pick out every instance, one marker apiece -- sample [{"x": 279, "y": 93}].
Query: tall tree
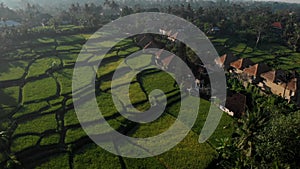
[{"x": 260, "y": 24}]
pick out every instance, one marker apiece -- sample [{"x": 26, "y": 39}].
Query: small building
[
  {"x": 166, "y": 61},
  {"x": 235, "y": 105},
  {"x": 275, "y": 76},
  {"x": 293, "y": 87},
  {"x": 252, "y": 73},
  {"x": 173, "y": 37},
  {"x": 277, "y": 25},
  {"x": 276, "y": 81},
  {"x": 239, "y": 65},
  {"x": 225, "y": 61},
  {"x": 146, "y": 41},
  {"x": 277, "y": 31},
  {"x": 163, "y": 59}
]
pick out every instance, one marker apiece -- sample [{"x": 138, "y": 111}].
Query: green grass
[
  {"x": 12, "y": 70},
  {"x": 144, "y": 163},
  {"x": 65, "y": 79},
  {"x": 9, "y": 97},
  {"x": 24, "y": 142},
  {"x": 38, "y": 125},
  {"x": 86, "y": 36},
  {"x": 125, "y": 42},
  {"x": 106, "y": 105},
  {"x": 69, "y": 102},
  {"x": 188, "y": 153},
  {"x": 71, "y": 118},
  {"x": 139, "y": 61},
  {"x": 136, "y": 96},
  {"x": 219, "y": 40},
  {"x": 57, "y": 101},
  {"x": 107, "y": 44},
  {"x": 107, "y": 108},
  {"x": 55, "y": 162},
  {"x": 224, "y": 129},
  {"x": 74, "y": 134},
  {"x": 37, "y": 97},
  {"x": 69, "y": 47},
  {"x": 157, "y": 80},
  {"x": 42, "y": 50},
  {"x": 40, "y": 89},
  {"x": 62, "y": 40},
  {"x": 154, "y": 128},
  {"x": 121, "y": 81},
  {"x": 69, "y": 27},
  {"x": 52, "y": 139},
  {"x": 30, "y": 108},
  {"x": 40, "y": 66},
  {"x": 108, "y": 68},
  {"x": 53, "y": 109},
  {"x": 93, "y": 157},
  {"x": 45, "y": 40},
  {"x": 68, "y": 58},
  {"x": 241, "y": 48},
  {"x": 5, "y": 112}
]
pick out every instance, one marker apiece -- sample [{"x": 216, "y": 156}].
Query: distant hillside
[
  {"x": 7, "y": 13},
  {"x": 15, "y": 4},
  {"x": 66, "y": 3}
]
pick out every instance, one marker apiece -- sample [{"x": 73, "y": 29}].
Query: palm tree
[{"x": 240, "y": 152}]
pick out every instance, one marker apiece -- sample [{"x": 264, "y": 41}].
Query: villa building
[
  {"x": 225, "y": 61},
  {"x": 276, "y": 81},
  {"x": 239, "y": 65},
  {"x": 252, "y": 73}
]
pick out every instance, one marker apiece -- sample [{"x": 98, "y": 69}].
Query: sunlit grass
[
  {"x": 65, "y": 79},
  {"x": 12, "y": 70},
  {"x": 40, "y": 89},
  {"x": 9, "y": 97},
  {"x": 92, "y": 156},
  {"x": 24, "y": 142},
  {"x": 37, "y": 125},
  {"x": 58, "y": 161},
  {"x": 51, "y": 139},
  {"x": 40, "y": 66},
  {"x": 30, "y": 108}
]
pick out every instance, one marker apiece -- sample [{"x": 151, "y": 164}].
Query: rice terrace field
[
  {"x": 59, "y": 109},
  {"x": 36, "y": 95}
]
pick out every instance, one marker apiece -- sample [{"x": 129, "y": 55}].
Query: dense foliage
[{"x": 266, "y": 137}]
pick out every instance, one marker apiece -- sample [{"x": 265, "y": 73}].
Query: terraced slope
[{"x": 36, "y": 93}]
